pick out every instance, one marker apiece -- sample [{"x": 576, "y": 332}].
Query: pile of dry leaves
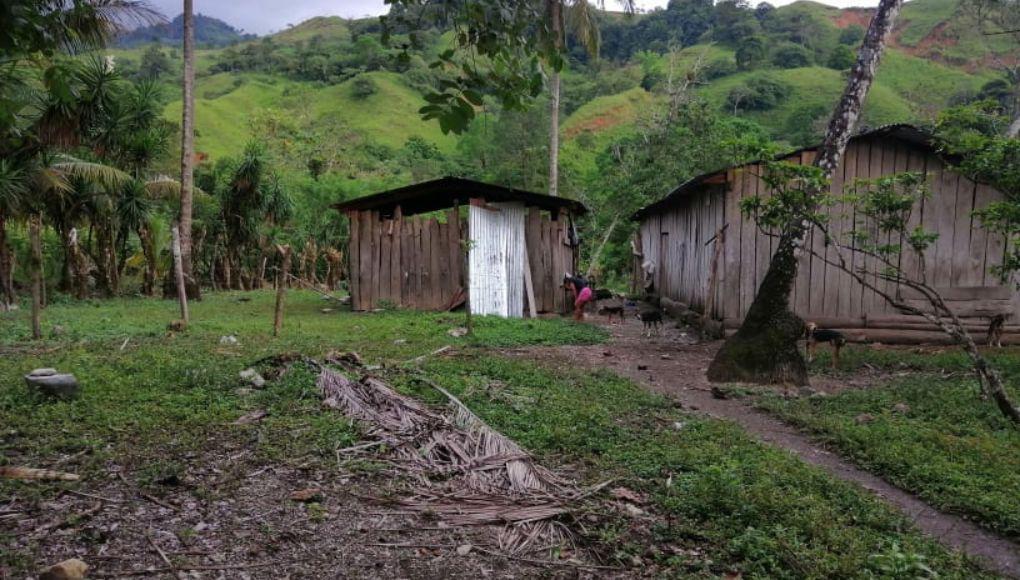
[{"x": 467, "y": 472}]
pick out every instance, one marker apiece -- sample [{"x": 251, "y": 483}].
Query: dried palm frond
[{"x": 483, "y": 477}]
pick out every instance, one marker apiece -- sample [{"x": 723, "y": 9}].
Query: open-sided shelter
[
  {"x": 430, "y": 245},
  {"x": 698, "y": 249}
]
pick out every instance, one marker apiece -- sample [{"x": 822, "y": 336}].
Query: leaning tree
[{"x": 764, "y": 348}]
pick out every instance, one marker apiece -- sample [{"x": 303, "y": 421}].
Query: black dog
[
  {"x": 814, "y": 335},
  {"x": 652, "y": 319},
  {"x": 995, "y": 327},
  {"x": 609, "y": 308}
]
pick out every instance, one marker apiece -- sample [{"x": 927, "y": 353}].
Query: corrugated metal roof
[
  {"x": 901, "y": 131},
  {"x": 445, "y": 192}
]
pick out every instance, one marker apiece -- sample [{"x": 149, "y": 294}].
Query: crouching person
[{"x": 581, "y": 292}]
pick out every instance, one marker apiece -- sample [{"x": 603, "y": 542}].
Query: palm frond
[
  {"x": 582, "y": 22},
  {"x": 92, "y": 172},
  {"x": 13, "y": 186}
]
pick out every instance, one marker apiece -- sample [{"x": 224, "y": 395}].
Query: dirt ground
[
  {"x": 231, "y": 518},
  {"x": 674, "y": 363}
]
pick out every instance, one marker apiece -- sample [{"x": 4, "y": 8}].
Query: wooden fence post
[
  {"x": 36, "y": 261},
  {"x": 281, "y": 287},
  {"x": 182, "y": 293}
]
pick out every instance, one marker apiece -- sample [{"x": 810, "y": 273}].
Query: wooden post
[
  {"x": 281, "y": 287},
  {"x": 713, "y": 276},
  {"x": 182, "y": 294},
  {"x": 36, "y": 261},
  {"x": 528, "y": 287}
]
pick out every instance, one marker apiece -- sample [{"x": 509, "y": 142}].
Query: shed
[
  {"x": 406, "y": 247},
  {"x": 698, "y": 249}
]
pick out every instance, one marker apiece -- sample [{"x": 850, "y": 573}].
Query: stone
[
  {"x": 679, "y": 425},
  {"x": 231, "y": 339},
  {"x": 400, "y": 341},
  {"x": 253, "y": 377},
  {"x": 464, "y": 550},
  {"x": 73, "y": 569},
  {"x": 901, "y": 408},
  {"x": 864, "y": 418},
  {"x": 457, "y": 332},
  {"x": 52, "y": 384},
  {"x": 58, "y": 330},
  {"x": 326, "y": 310},
  {"x": 806, "y": 391}
]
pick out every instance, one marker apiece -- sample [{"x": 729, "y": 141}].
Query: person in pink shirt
[{"x": 579, "y": 287}]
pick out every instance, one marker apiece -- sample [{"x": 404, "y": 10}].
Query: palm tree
[
  {"x": 13, "y": 187},
  {"x": 188, "y": 151},
  {"x": 578, "y": 18}
]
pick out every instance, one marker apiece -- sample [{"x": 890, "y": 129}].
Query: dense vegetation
[{"x": 332, "y": 109}]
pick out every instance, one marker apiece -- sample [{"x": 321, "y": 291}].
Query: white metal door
[{"x": 496, "y": 259}]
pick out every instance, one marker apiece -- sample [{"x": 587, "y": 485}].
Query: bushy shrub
[
  {"x": 842, "y": 58},
  {"x": 363, "y": 87},
  {"x": 791, "y": 55},
  {"x": 720, "y": 67},
  {"x": 759, "y": 93}
]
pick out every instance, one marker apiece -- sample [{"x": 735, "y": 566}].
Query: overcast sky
[{"x": 262, "y": 16}]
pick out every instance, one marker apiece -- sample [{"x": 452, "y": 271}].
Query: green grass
[
  {"x": 222, "y": 123},
  {"x": 223, "y": 112},
  {"x": 928, "y": 84},
  {"x": 389, "y": 116},
  {"x": 731, "y": 505},
  {"x": 951, "y": 448},
  {"x": 813, "y": 91},
  {"x": 155, "y": 406},
  {"x": 920, "y": 17}
]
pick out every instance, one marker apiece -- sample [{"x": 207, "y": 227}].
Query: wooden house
[
  {"x": 407, "y": 248},
  {"x": 696, "y": 248}
]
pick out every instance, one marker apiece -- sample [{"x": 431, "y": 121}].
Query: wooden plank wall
[
  {"x": 410, "y": 262},
  {"x": 958, "y": 263},
  {"x": 414, "y": 262},
  {"x": 550, "y": 256}
]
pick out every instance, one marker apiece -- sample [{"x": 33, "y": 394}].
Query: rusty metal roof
[{"x": 447, "y": 191}]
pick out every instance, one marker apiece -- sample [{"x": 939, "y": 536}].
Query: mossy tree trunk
[
  {"x": 7, "y": 295},
  {"x": 764, "y": 349}
]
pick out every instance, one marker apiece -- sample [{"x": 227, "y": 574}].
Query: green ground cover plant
[{"x": 923, "y": 427}]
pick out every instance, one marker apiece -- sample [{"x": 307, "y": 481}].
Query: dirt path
[{"x": 674, "y": 364}]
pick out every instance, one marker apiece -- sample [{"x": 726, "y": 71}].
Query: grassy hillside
[
  {"x": 226, "y": 102},
  {"x": 917, "y": 78}
]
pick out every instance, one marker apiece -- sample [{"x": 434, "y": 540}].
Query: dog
[
  {"x": 813, "y": 335},
  {"x": 652, "y": 320},
  {"x": 995, "y": 327},
  {"x": 609, "y": 308}
]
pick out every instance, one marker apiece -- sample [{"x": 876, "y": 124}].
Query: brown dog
[
  {"x": 813, "y": 335},
  {"x": 995, "y": 327}
]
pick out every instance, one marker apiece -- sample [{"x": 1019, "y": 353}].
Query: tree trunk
[
  {"x": 7, "y": 295},
  {"x": 182, "y": 295},
  {"x": 764, "y": 349},
  {"x": 602, "y": 246},
  {"x": 281, "y": 287},
  {"x": 188, "y": 151},
  {"x": 77, "y": 266},
  {"x": 149, "y": 251},
  {"x": 555, "y": 8},
  {"x": 36, "y": 261}
]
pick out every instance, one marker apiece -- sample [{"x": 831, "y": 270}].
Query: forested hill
[
  {"x": 209, "y": 32},
  {"x": 338, "y": 110}
]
